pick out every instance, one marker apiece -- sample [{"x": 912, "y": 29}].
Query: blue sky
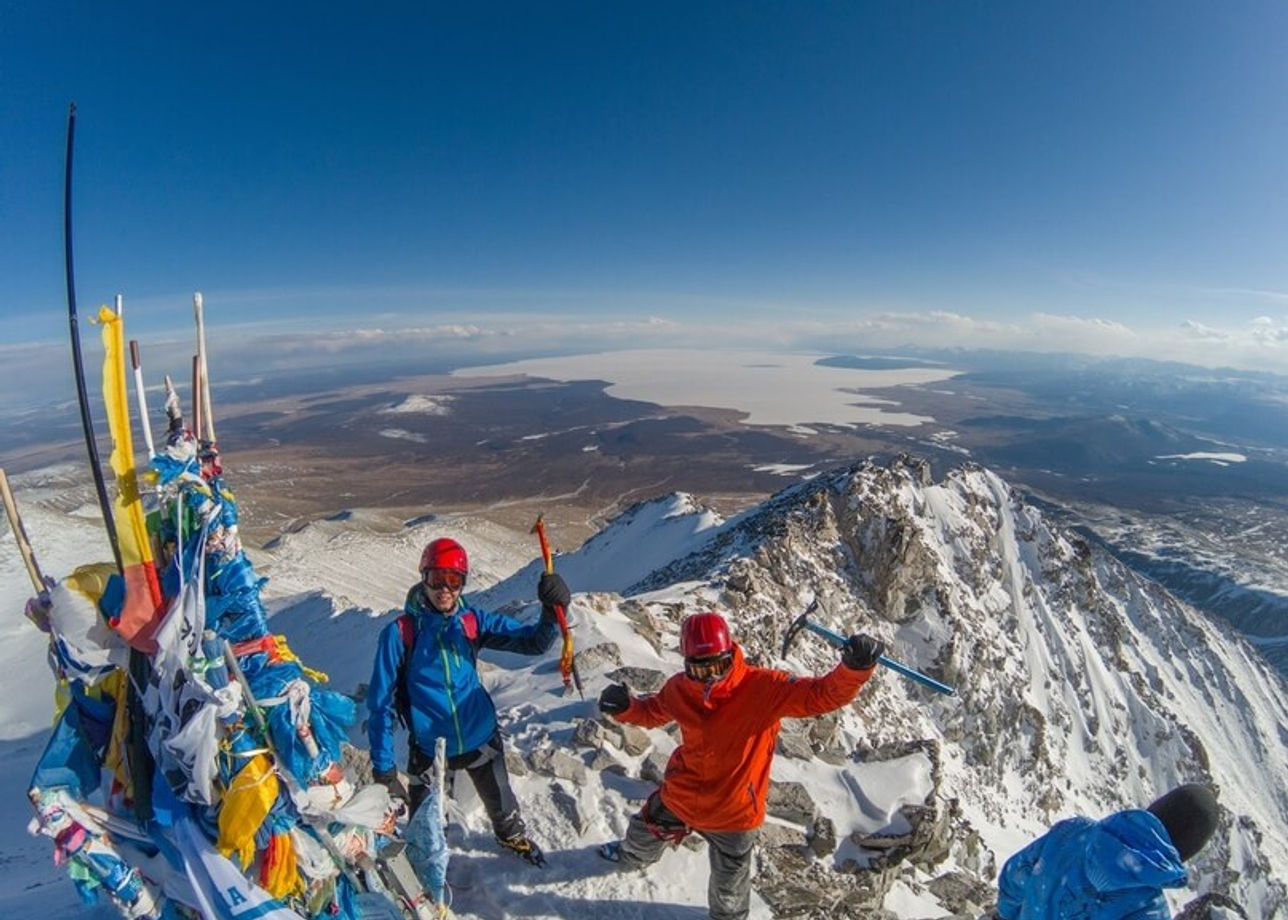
[{"x": 1098, "y": 176}]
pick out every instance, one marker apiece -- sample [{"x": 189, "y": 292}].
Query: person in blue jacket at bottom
[
  {"x": 426, "y": 674},
  {"x": 1112, "y": 869}
]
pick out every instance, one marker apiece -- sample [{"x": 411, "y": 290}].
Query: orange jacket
[{"x": 718, "y": 778}]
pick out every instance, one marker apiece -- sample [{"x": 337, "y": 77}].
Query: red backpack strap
[
  {"x": 407, "y": 630},
  {"x": 470, "y": 623}
]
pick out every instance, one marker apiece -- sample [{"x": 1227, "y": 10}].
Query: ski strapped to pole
[
  {"x": 567, "y": 658},
  {"x": 20, "y": 534},
  {"x": 836, "y": 639}
]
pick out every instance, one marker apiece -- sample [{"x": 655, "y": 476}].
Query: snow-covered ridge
[{"x": 1082, "y": 688}]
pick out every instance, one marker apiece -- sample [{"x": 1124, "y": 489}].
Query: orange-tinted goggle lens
[
  {"x": 438, "y": 579},
  {"x": 707, "y": 669}
]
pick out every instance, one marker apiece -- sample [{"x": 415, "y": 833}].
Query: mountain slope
[{"x": 1082, "y": 686}]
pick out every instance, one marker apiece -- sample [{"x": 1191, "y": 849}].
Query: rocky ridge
[{"x": 1082, "y": 687}]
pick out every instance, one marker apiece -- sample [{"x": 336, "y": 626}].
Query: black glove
[
  {"x": 615, "y": 698},
  {"x": 552, "y": 592},
  {"x": 397, "y": 791},
  {"x": 860, "y": 652}
]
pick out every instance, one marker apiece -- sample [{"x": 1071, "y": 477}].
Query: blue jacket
[
  {"x": 447, "y": 697},
  {"x": 1113, "y": 869}
]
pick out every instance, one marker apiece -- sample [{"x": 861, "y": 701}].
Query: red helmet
[
  {"x": 445, "y": 553},
  {"x": 703, "y": 635}
]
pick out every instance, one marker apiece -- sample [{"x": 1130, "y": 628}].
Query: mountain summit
[{"x": 1082, "y": 688}]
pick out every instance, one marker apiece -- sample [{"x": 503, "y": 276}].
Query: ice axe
[
  {"x": 567, "y": 660},
  {"x": 836, "y": 639}
]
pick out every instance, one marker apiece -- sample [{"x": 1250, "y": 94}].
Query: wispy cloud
[{"x": 39, "y": 372}]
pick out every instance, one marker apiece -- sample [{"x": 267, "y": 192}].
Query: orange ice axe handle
[{"x": 567, "y": 660}]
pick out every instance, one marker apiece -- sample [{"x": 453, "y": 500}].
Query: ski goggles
[
  {"x": 708, "y": 669},
  {"x": 437, "y": 579}
]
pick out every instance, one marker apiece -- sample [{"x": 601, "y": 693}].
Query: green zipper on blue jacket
[{"x": 447, "y": 684}]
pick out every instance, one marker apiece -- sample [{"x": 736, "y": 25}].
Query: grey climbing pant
[{"x": 729, "y": 889}]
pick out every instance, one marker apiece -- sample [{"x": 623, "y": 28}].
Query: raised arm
[
  {"x": 506, "y": 634},
  {"x": 509, "y": 635},
  {"x": 798, "y": 697}
]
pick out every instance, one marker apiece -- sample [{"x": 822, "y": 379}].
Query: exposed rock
[
  {"x": 824, "y": 732},
  {"x": 635, "y": 740},
  {"x": 651, "y": 626},
  {"x": 795, "y": 885},
  {"x": 962, "y": 893},
  {"x": 821, "y": 837},
  {"x": 613, "y": 732},
  {"x": 952, "y": 576},
  {"x": 794, "y": 744},
  {"x": 560, "y": 764},
  {"x": 514, "y": 763},
  {"x": 780, "y": 835},
  {"x": 639, "y": 680},
  {"x": 605, "y": 654},
  {"x": 1212, "y": 906},
  {"x": 605, "y": 762},
  {"x": 588, "y": 733},
  {"x": 653, "y": 767},
  {"x": 791, "y": 802}
]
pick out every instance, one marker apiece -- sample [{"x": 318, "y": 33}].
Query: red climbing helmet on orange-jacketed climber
[{"x": 703, "y": 635}]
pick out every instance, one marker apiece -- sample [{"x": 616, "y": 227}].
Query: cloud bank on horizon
[{"x": 37, "y": 373}]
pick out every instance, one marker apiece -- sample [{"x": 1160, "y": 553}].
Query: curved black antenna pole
[
  {"x": 78, "y": 364},
  {"x": 140, "y": 760}
]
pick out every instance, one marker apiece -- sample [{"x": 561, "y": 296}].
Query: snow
[
  {"x": 1221, "y": 459},
  {"x": 335, "y": 582},
  {"x": 402, "y": 434},
  {"x": 420, "y": 404},
  {"x": 783, "y": 469},
  {"x": 902, "y": 901},
  {"x": 771, "y": 388}
]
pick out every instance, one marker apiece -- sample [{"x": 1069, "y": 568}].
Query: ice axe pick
[{"x": 836, "y": 639}]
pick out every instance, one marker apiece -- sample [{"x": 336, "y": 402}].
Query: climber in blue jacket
[
  {"x": 1112, "y": 869},
  {"x": 426, "y": 677}
]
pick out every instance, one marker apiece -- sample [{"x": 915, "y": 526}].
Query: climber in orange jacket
[{"x": 717, "y": 780}]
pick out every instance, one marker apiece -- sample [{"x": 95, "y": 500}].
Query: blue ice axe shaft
[{"x": 838, "y": 640}]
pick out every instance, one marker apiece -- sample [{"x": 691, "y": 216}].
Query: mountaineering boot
[
  {"x": 525, "y": 847},
  {"x": 611, "y": 851}
]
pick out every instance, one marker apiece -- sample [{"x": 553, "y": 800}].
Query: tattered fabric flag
[
  {"x": 142, "y": 608},
  {"x": 222, "y": 891},
  {"x": 83, "y": 647}
]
